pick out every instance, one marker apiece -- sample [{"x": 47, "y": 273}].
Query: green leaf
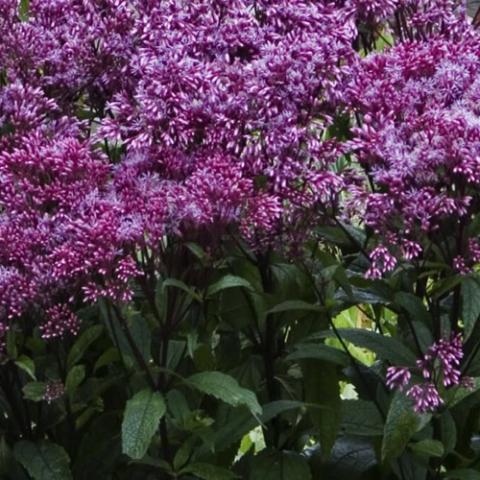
[
  {"x": 387, "y": 348},
  {"x": 279, "y": 465},
  {"x": 27, "y": 365},
  {"x": 140, "y": 422},
  {"x": 177, "y": 405},
  {"x": 273, "y": 409},
  {"x": 23, "y": 9},
  {"x": 413, "y": 306},
  {"x": 471, "y": 304},
  {"x": 449, "y": 431},
  {"x": 463, "y": 474},
  {"x": 34, "y": 391},
  {"x": 445, "y": 285},
  {"x": 197, "y": 250},
  {"x": 184, "y": 453},
  {"x": 292, "y": 305},
  {"x": 242, "y": 423},
  {"x": 173, "y": 282},
  {"x": 362, "y": 418},
  {"x": 351, "y": 459},
  {"x": 228, "y": 281},
  {"x": 225, "y": 388},
  {"x": 82, "y": 344},
  {"x": 108, "y": 357},
  {"x": 43, "y": 460},
  {"x": 74, "y": 378},
  {"x": 321, "y": 385},
  {"x": 206, "y": 471},
  {"x": 319, "y": 352},
  {"x": 401, "y": 424},
  {"x": 428, "y": 448},
  {"x": 455, "y": 395},
  {"x": 367, "y": 292}
]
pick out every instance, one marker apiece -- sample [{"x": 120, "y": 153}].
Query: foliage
[{"x": 239, "y": 239}]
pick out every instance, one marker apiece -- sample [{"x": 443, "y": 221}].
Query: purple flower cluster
[
  {"x": 223, "y": 125},
  {"x": 439, "y": 368},
  {"x": 125, "y": 122},
  {"x": 53, "y": 391},
  {"x": 60, "y": 321},
  {"x": 419, "y": 143}
]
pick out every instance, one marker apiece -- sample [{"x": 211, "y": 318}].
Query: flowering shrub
[{"x": 239, "y": 239}]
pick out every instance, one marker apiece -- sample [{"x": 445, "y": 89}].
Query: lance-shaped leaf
[
  {"x": 140, "y": 422},
  {"x": 225, "y": 388},
  {"x": 43, "y": 460}
]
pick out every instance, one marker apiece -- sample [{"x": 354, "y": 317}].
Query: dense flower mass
[
  {"x": 227, "y": 114},
  {"x": 419, "y": 142},
  {"x": 122, "y": 122},
  {"x": 125, "y": 122}
]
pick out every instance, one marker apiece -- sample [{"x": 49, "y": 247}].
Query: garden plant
[{"x": 239, "y": 239}]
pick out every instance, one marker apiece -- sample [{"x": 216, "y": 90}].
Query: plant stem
[{"x": 136, "y": 351}]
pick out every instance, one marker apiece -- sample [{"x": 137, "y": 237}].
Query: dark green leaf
[
  {"x": 225, "y": 388},
  {"x": 107, "y": 358},
  {"x": 321, "y": 385},
  {"x": 206, "y": 471},
  {"x": 455, "y": 395},
  {"x": 35, "y": 391},
  {"x": 242, "y": 422},
  {"x": 74, "y": 378},
  {"x": 82, "y": 344},
  {"x": 140, "y": 422},
  {"x": 228, "y": 281},
  {"x": 351, "y": 459},
  {"x": 320, "y": 352},
  {"x": 387, "y": 348},
  {"x": 413, "y": 306},
  {"x": 449, "y": 431},
  {"x": 27, "y": 365},
  {"x": 401, "y": 424},
  {"x": 279, "y": 465},
  {"x": 292, "y": 305},
  {"x": 141, "y": 335},
  {"x": 173, "y": 282},
  {"x": 197, "y": 250},
  {"x": 367, "y": 292},
  {"x": 445, "y": 285},
  {"x": 428, "y": 448},
  {"x": 361, "y": 417},
  {"x": 43, "y": 460},
  {"x": 471, "y": 304},
  {"x": 273, "y": 409}
]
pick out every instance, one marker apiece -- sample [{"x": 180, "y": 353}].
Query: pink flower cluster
[
  {"x": 123, "y": 122},
  {"x": 419, "y": 144},
  {"x": 439, "y": 368},
  {"x": 223, "y": 124}
]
